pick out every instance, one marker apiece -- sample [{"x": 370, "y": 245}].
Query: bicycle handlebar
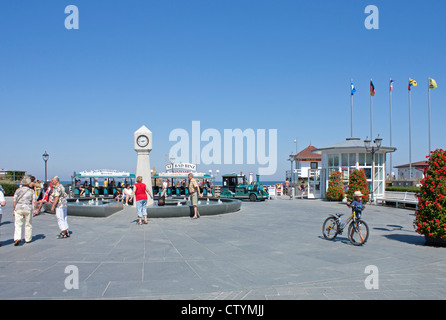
[{"x": 356, "y": 207}]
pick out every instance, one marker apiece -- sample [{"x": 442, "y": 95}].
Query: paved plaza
[{"x": 267, "y": 250}]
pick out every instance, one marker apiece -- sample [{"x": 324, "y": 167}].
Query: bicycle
[{"x": 358, "y": 230}]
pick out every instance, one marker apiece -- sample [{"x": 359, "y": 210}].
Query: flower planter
[
  {"x": 430, "y": 216},
  {"x": 435, "y": 242}
]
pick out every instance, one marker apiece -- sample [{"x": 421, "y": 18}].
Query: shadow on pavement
[{"x": 414, "y": 239}]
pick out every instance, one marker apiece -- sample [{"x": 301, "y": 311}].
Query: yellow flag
[
  {"x": 412, "y": 82},
  {"x": 432, "y": 84}
]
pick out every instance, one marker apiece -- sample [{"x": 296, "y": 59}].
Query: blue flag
[{"x": 353, "y": 89}]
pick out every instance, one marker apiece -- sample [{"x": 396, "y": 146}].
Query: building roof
[
  {"x": 419, "y": 164},
  {"x": 308, "y": 153},
  {"x": 352, "y": 143}
]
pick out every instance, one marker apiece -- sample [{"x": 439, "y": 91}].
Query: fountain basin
[
  {"x": 171, "y": 209},
  {"x": 90, "y": 207},
  {"x": 103, "y": 207}
]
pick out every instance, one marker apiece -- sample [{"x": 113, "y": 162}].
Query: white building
[
  {"x": 417, "y": 170},
  {"x": 305, "y": 161},
  {"x": 350, "y": 155}
]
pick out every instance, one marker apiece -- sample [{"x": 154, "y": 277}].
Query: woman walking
[
  {"x": 2, "y": 204},
  {"x": 23, "y": 205},
  {"x": 59, "y": 203},
  {"x": 140, "y": 192}
]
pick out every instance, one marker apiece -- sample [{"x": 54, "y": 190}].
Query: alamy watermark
[
  {"x": 72, "y": 20},
  {"x": 72, "y": 280},
  {"x": 372, "y": 20},
  {"x": 226, "y": 148},
  {"x": 371, "y": 282}
]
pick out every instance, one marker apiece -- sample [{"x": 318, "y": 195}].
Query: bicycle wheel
[
  {"x": 330, "y": 228},
  {"x": 358, "y": 232}
]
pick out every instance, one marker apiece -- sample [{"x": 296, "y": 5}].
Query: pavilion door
[{"x": 314, "y": 183}]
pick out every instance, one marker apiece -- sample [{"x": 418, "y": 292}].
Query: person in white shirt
[
  {"x": 2, "y": 204},
  {"x": 2, "y": 201},
  {"x": 164, "y": 190},
  {"x": 127, "y": 194}
]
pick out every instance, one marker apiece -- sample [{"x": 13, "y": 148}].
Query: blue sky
[{"x": 285, "y": 65}]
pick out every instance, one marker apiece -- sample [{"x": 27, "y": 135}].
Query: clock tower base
[
  {"x": 143, "y": 170},
  {"x": 143, "y": 146}
]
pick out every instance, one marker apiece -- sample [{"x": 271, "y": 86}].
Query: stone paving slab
[{"x": 271, "y": 250}]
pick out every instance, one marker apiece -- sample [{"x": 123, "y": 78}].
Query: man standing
[
  {"x": 194, "y": 191},
  {"x": 164, "y": 188},
  {"x": 59, "y": 202}
]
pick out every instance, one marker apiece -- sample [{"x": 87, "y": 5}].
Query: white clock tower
[{"x": 143, "y": 145}]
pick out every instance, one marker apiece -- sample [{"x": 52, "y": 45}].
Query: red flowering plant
[
  {"x": 335, "y": 189},
  {"x": 430, "y": 217},
  {"x": 358, "y": 182}
]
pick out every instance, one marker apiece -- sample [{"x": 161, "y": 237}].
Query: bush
[
  {"x": 335, "y": 189},
  {"x": 403, "y": 189},
  {"x": 9, "y": 188},
  {"x": 430, "y": 218},
  {"x": 358, "y": 181}
]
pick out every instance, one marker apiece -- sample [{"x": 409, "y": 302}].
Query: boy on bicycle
[{"x": 357, "y": 206}]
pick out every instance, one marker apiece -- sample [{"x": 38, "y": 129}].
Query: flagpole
[
  {"x": 371, "y": 113},
  {"x": 351, "y": 111},
  {"x": 410, "y": 137},
  {"x": 390, "y": 99},
  {"x": 429, "y": 104},
  {"x": 351, "y": 116}
]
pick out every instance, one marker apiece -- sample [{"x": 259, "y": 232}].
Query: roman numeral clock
[{"x": 143, "y": 145}]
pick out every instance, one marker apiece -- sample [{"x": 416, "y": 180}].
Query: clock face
[{"x": 142, "y": 141}]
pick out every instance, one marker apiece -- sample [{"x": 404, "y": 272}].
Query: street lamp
[
  {"x": 45, "y": 157},
  {"x": 172, "y": 160},
  {"x": 373, "y": 149},
  {"x": 291, "y": 159}
]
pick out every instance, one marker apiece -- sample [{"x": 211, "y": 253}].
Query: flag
[
  {"x": 391, "y": 84},
  {"x": 412, "y": 83},
  {"x": 432, "y": 84},
  {"x": 372, "y": 89},
  {"x": 353, "y": 89}
]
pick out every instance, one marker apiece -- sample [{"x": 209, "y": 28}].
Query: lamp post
[
  {"x": 291, "y": 159},
  {"x": 172, "y": 161},
  {"x": 45, "y": 157},
  {"x": 217, "y": 172},
  {"x": 373, "y": 149}
]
